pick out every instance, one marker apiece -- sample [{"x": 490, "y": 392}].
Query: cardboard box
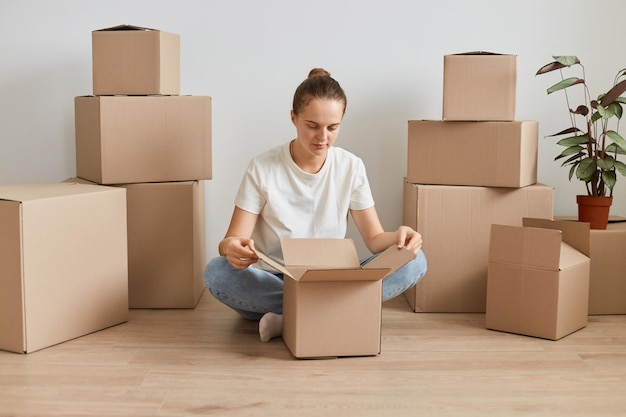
[
  {"x": 331, "y": 305},
  {"x": 131, "y": 60},
  {"x": 64, "y": 263},
  {"x": 121, "y": 139},
  {"x": 488, "y": 154},
  {"x": 166, "y": 243},
  {"x": 607, "y": 283},
  {"x": 538, "y": 279},
  {"x": 479, "y": 86},
  {"x": 455, "y": 223}
]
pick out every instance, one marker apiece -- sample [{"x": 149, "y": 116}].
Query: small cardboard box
[
  {"x": 166, "y": 243},
  {"x": 121, "y": 139},
  {"x": 479, "y": 86},
  {"x": 538, "y": 282},
  {"x": 131, "y": 60},
  {"x": 607, "y": 283},
  {"x": 455, "y": 223},
  {"x": 489, "y": 154},
  {"x": 64, "y": 263},
  {"x": 332, "y": 305}
]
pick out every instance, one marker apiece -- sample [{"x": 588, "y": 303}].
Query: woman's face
[{"x": 317, "y": 125}]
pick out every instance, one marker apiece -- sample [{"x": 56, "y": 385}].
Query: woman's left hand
[{"x": 409, "y": 239}]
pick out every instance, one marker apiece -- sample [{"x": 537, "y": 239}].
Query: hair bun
[{"x": 319, "y": 72}]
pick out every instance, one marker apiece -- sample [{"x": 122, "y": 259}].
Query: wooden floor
[{"x": 208, "y": 362}]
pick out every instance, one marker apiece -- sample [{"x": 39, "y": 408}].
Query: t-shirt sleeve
[
  {"x": 250, "y": 196},
  {"x": 361, "y": 197}
]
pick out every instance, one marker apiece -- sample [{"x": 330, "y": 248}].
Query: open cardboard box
[
  {"x": 538, "y": 278},
  {"x": 331, "y": 304}
]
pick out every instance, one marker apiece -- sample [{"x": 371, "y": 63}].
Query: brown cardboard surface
[
  {"x": 538, "y": 284},
  {"x": 67, "y": 274},
  {"x": 455, "y": 223},
  {"x": 490, "y": 154},
  {"x": 331, "y": 305},
  {"x": 607, "y": 283},
  {"x": 121, "y": 140},
  {"x": 131, "y": 60},
  {"x": 166, "y": 243},
  {"x": 479, "y": 86}
]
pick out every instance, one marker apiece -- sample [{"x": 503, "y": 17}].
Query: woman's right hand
[{"x": 239, "y": 252}]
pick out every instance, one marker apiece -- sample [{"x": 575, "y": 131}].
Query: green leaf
[
  {"x": 585, "y": 169},
  {"x": 595, "y": 117},
  {"x": 621, "y": 100},
  {"x": 617, "y": 110},
  {"x": 609, "y": 178},
  {"x": 567, "y": 60},
  {"x": 620, "y": 167},
  {"x": 617, "y": 139},
  {"x": 613, "y": 148},
  {"x": 605, "y": 163},
  {"x": 573, "y": 140},
  {"x": 605, "y": 112},
  {"x": 576, "y": 149},
  {"x": 568, "y": 82},
  {"x": 571, "y": 172}
]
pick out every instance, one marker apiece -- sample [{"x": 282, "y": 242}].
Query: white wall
[{"x": 250, "y": 55}]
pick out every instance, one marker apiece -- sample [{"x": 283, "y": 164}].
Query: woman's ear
[{"x": 293, "y": 117}]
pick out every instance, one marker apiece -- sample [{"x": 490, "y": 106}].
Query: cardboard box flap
[
  {"x": 575, "y": 234},
  {"x": 322, "y": 253},
  {"x": 392, "y": 258},
  {"x": 123, "y": 27},
  {"x": 479, "y": 53},
  {"x": 528, "y": 246},
  {"x": 343, "y": 274}
]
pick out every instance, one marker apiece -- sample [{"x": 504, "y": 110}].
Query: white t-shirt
[{"x": 292, "y": 203}]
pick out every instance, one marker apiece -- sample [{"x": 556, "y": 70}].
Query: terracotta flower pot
[{"x": 594, "y": 210}]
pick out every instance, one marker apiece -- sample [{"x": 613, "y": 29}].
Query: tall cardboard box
[
  {"x": 132, "y": 60},
  {"x": 538, "y": 279},
  {"x": 64, "y": 263},
  {"x": 607, "y": 283},
  {"x": 479, "y": 86},
  {"x": 121, "y": 140},
  {"x": 489, "y": 154},
  {"x": 166, "y": 244},
  {"x": 331, "y": 305},
  {"x": 455, "y": 223}
]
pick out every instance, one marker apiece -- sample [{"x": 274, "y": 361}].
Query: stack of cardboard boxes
[
  {"x": 136, "y": 132},
  {"x": 474, "y": 168}
]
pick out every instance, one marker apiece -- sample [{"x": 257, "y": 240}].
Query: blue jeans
[{"x": 252, "y": 292}]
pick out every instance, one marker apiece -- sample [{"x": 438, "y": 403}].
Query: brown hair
[{"x": 319, "y": 84}]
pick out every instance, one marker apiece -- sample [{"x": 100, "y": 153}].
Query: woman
[{"x": 302, "y": 189}]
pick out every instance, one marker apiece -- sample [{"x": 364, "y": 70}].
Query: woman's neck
[{"x": 306, "y": 161}]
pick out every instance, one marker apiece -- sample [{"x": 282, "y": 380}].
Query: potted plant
[{"x": 592, "y": 142}]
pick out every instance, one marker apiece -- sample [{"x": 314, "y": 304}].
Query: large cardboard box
[
  {"x": 121, "y": 139},
  {"x": 332, "y": 305},
  {"x": 455, "y": 223},
  {"x": 479, "y": 86},
  {"x": 538, "y": 278},
  {"x": 607, "y": 283},
  {"x": 166, "y": 243},
  {"x": 64, "y": 263},
  {"x": 489, "y": 154},
  {"x": 131, "y": 60}
]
